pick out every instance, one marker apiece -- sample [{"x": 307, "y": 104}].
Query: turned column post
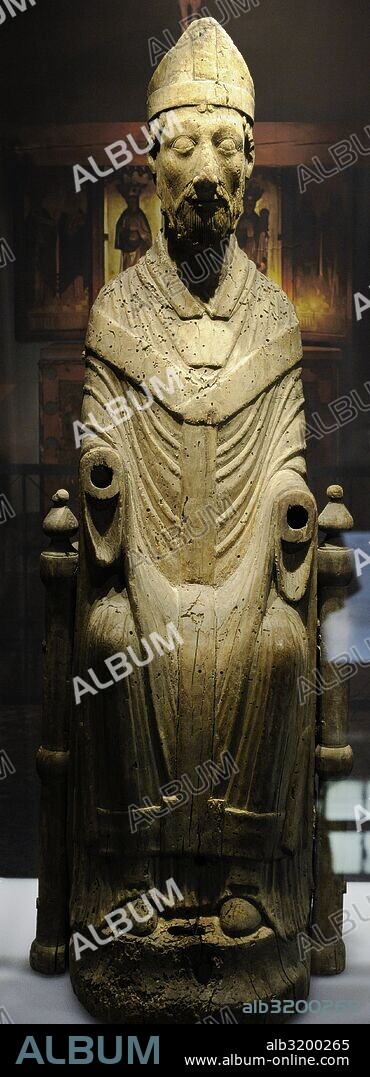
[
  {"x": 58, "y": 568},
  {"x": 333, "y": 753}
]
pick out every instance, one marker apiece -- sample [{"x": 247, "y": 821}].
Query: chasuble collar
[{"x": 162, "y": 271}]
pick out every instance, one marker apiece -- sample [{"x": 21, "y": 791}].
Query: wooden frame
[{"x": 277, "y": 144}]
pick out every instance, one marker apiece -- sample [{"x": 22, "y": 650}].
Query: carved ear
[
  {"x": 295, "y": 540},
  {"x": 249, "y": 150},
  {"x": 152, "y": 165},
  {"x": 250, "y": 159},
  {"x": 102, "y": 500},
  {"x": 249, "y": 166}
]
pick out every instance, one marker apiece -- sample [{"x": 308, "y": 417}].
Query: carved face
[{"x": 201, "y": 174}]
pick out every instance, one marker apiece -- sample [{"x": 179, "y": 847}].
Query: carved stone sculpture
[{"x": 191, "y": 753}]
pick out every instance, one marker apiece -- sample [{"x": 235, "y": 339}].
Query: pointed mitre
[{"x": 204, "y": 67}]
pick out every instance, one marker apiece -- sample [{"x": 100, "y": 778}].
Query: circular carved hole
[
  {"x": 101, "y": 476},
  {"x": 297, "y": 517}
]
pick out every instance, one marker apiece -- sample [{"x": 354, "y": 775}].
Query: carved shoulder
[{"x": 271, "y": 305}]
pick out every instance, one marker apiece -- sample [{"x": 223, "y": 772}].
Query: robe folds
[{"x": 196, "y": 513}]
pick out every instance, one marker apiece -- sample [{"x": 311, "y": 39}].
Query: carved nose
[{"x": 205, "y": 188}]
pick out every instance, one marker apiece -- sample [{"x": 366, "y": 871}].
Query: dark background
[
  {"x": 80, "y": 61},
  {"x": 69, "y": 61}
]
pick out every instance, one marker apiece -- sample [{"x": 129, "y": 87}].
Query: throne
[{"x": 257, "y": 964}]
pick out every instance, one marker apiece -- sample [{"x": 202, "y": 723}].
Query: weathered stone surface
[{"x": 192, "y": 761}]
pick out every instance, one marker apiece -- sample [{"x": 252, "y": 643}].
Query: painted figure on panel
[
  {"x": 133, "y": 236},
  {"x": 253, "y": 229}
]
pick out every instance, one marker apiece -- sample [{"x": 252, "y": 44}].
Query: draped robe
[{"x": 242, "y": 597}]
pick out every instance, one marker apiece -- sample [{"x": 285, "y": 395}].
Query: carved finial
[
  {"x": 61, "y": 497},
  {"x": 335, "y": 517},
  {"x": 60, "y": 524},
  {"x": 335, "y": 493}
]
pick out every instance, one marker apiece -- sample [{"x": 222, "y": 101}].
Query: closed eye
[
  {"x": 227, "y": 145},
  {"x": 183, "y": 145}
]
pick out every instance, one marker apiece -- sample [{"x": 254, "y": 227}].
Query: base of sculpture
[
  {"x": 186, "y": 971},
  {"x": 48, "y": 960}
]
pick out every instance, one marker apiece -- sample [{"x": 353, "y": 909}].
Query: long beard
[{"x": 201, "y": 224}]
